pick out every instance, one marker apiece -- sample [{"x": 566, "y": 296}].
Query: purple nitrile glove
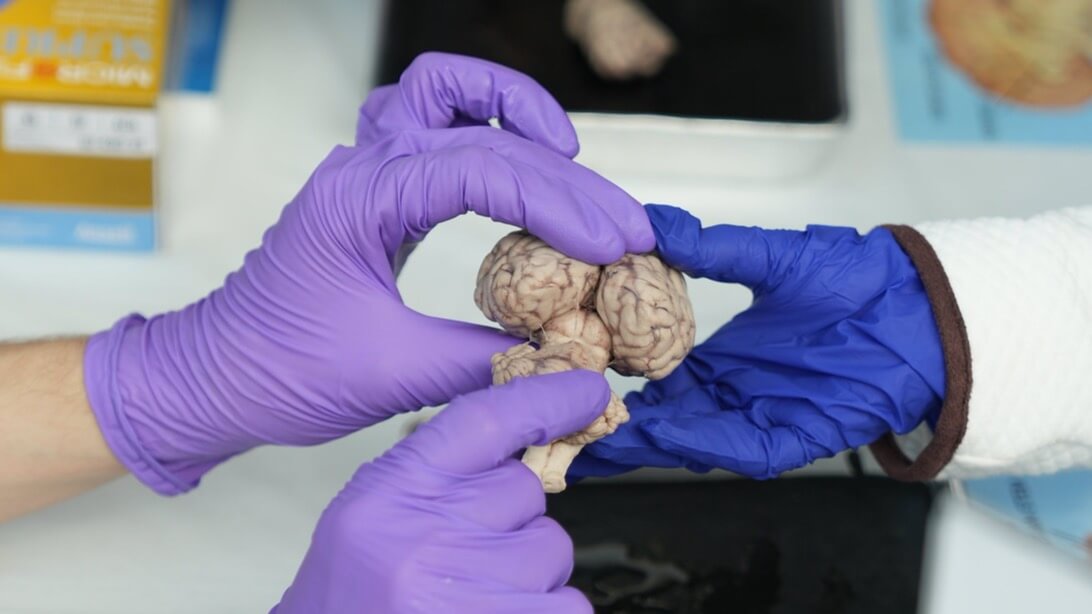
[
  {"x": 444, "y": 90},
  {"x": 441, "y": 90},
  {"x": 309, "y": 340},
  {"x": 447, "y": 520}
]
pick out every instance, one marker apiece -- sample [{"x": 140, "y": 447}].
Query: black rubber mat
[
  {"x": 746, "y": 59},
  {"x": 815, "y": 545}
]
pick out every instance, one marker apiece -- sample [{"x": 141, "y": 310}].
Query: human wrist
[{"x": 51, "y": 447}]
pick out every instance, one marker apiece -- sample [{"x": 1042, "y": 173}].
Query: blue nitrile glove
[{"x": 838, "y": 348}]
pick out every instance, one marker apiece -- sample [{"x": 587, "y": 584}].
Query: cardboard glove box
[{"x": 78, "y": 127}]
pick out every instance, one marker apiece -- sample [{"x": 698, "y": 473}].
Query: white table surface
[{"x": 292, "y": 77}]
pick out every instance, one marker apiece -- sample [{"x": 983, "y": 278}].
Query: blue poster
[
  {"x": 1057, "y": 507},
  {"x": 990, "y": 72}
]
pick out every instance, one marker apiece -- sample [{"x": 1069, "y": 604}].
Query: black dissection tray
[
  {"x": 816, "y": 545},
  {"x": 758, "y": 60}
]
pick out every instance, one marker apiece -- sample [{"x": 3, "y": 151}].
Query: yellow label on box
[
  {"x": 76, "y": 155},
  {"x": 106, "y": 51},
  {"x": 78, "y": 130}
]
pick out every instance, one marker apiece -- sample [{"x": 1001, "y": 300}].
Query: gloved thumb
[
  {"x": 481, "y": 430},
  {"x": 733, "y": 441},
  {"x": 630, "y": 446},
  {"x": 458, "y": 359},
  {"x": 726, "y": 253}
]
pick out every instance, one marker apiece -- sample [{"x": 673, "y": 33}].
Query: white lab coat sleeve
[{"x": 1023, "y": 295}]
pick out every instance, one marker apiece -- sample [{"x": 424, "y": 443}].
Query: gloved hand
[
  {"x": 448, "y": 520},
  {"x": 441, "y": 90},
  {"x": 838, "y": 348},
  {"x": 309, "y": 340}
]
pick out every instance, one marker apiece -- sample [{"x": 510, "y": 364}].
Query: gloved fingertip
[
  {"x": 643, "y": 239},
  {"x": 724, "y": 252},
  {"x": 594, "y": 381},
  {"x": 567, "y": 143},
  {"x": 676, "y": 233},
  {"x": 549, "y": 127},
  {"x": 636, "y": 398},
  {"x": 697, "y": 467},
  {"x": 571, "y": 601},
  {"x": 665, "y": 210},
  {"x": 652, "y": 426},
  {"x": 663, "y": 217},
  {"x": 608, "y": 248}
]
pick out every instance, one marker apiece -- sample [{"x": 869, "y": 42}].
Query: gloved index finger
[
  {"x": 621, "y": 207},
  {"x": 479, "y": 431},
  {"x": 521, "y": 184},
  {"x": 439, "y": 88},
  {"x": 726, "y": 253}
]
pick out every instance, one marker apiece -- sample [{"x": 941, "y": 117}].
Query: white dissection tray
[{"x": 700, "y": 147}]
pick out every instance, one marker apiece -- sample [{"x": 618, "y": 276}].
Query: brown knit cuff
[{"x": 957, "y": 365}]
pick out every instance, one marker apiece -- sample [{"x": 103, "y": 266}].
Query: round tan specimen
[
  {"x": 1031, "y": 52},
  {"x": 523, "y": 283},
  {"x": 645, "y": 307},
  {"x": 622, "y": 39}
]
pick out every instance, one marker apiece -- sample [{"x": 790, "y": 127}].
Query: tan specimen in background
[{"x": 621, "y": 38}]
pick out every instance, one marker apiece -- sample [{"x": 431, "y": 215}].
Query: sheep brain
[
  {"x": 523, "y": 283},
  {"x": 633, "y": 316}
]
